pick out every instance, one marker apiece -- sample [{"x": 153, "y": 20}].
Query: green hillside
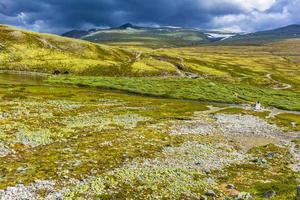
[{"x": 24, "y": 50}]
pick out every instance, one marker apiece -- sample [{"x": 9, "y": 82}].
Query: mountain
[
  {"x": 261, "y": 37},
  {"x": 130, "y": 34},
  {"x": 26, "y": 50},
  {"x": 157, "y": 37},
  {"x": 75, "y": 33},
  {"x": 128, "y": 25},
  {"x": 291, "y": 30}
]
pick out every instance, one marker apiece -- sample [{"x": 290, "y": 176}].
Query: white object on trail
[{"x": 257, "y": 106}]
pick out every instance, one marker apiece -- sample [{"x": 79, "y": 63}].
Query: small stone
[
  {"x": 298, "y": 192},
  {"x": 203, "y": 197},
  {"x": 260, "y": 161},
  {"x": 198, "y": 163},
  {"x": 21, "y": 169},
  {"x": 271, "y": 155},
  {"x": 230, "y": 186},
  {"x": 270, "y": 194},
  {"x": 243, "y": 196},
  {"x": 211, "y": 193}
]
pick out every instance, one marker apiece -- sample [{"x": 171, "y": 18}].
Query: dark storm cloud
[{"x": 61, "y": 15}]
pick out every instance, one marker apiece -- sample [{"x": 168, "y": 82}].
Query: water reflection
[{"x": 20, "y": 78}]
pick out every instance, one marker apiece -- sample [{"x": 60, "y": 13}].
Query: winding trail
[{"x": 285, "y": 86}]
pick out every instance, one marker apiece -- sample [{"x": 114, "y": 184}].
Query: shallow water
[{"x": 19, "y": 78}]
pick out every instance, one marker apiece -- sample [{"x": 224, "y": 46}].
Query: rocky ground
[{"x": 186, "y": 171}]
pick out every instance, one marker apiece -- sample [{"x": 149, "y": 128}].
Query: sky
[{"x": 58, "y": 16}]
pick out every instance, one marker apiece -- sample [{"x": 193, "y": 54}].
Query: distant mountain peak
[
  {"x": 294, "y": 25},
  {"x": 290, "y": 29},
  {"x": 126, "y": 26}
]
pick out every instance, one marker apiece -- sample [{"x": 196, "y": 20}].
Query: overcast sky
[{"x": 57, "y": 16}]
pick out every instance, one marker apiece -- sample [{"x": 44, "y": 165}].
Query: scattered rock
[
  {"x": 230, "y": 186},
  {"x": 203, "y": 197},
  {"x": 243, "y": 196},
  {"x": 211, "y": 193},
  {"x": 245, "y": 125},
  {"x": 20, "y": 191},
  {"x": 271, "y": 155},
  {"x": 4, "y": 150},
  {"x": 269, "y": 194},
  {"x": 21, "y": 169},
  {"x": 260, "y": 161},
  {"x": 193, "y": 127}
]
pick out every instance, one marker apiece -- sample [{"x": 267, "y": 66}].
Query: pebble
[
  {"x": 203, "y": 197},
  {"x": 260, "y": 161},
  {"x": 271, "y": 155},
  {"x": 243, "y": 196},
  {"x": 269, "y": 194},
  {"x": 211, "y": 193},
  {"x": 20, "y": 191},
  {"x": 230, "y": 186}
]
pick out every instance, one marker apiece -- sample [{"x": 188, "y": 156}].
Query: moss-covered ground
[{"x": 101, "y": 144}]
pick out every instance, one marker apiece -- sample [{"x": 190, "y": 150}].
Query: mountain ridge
[{"x": 177, "y": 36}]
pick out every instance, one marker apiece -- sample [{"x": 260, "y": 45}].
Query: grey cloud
[{"x": 60, "y": 15}]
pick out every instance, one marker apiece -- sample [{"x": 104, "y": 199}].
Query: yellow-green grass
[
  {"x": 24, "y": 50},
  {"x": 62, "y": 133},
  {"x": 243, "y": 64},
  {"x": 292, "y": 121},
  {"x": 29, "y": 51},
  {"x": 257, "y": 179},
  {"x": 236, "y": 110},
  {"x": 193, "y": 89}
]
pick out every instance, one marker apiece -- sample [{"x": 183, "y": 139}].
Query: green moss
[
  {"x": 258, "y": 178},
  {"x": 33, "y": 138},
  {"x": 287, "y": 120},
  {"x": 75, "y": 132},
  {"x": 184, "y": 88}
]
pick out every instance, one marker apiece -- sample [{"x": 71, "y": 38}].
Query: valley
[{"x": 148, "y": 118}]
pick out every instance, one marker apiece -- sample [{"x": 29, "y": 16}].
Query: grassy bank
[{"x": 191, "y": 89}]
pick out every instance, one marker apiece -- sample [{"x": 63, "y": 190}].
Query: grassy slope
[
  {"x": 232, "y": 74},
  {"x": 242, "y": 64},
  {"x": 237, "y": 66},
  {"x": 24, "y": 50}
]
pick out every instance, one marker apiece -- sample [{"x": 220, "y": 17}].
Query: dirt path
[{"x": 285, "y": 86}]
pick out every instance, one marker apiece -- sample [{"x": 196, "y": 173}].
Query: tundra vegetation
[{"x": 146, "y": 123}]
